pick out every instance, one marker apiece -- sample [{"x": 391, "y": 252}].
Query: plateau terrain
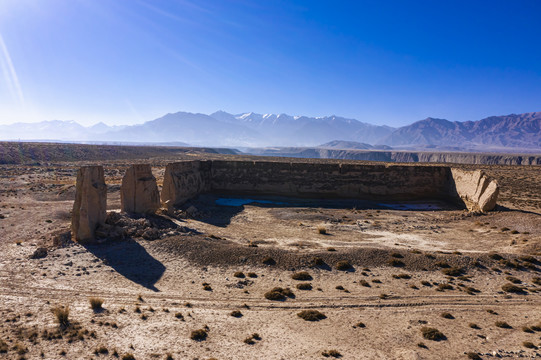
[{"x": 230, "y": 276}]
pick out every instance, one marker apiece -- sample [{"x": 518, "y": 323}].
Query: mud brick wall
[
  {"x": 471, "y": 189},
  {"x": 329, "y": 180}
]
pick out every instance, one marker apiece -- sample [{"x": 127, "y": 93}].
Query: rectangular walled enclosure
[{"x": 387, "y": 182}]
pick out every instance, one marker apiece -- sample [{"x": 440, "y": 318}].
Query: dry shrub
[
  {"x": 402, "y": 276},
  {"x": 304, "y": 286},
  {"x": 331, "y": 353},
  {"x": 503, "y": 325},
  {"x": 443, "y": 287},
  {"x": 322, "y": 229},
  {"x": 279, "y": 294},
  {"x": 311, "y": 315},
  {"x": 513, "y": 279},
  {"x": 453, "y": 271},
  {"x": 269, "y": 261},
  {"x": 302, "y": 275},
  {"x": 447, "y": 315},
  {"x": 239, "y": 274},
  {"x": 396, "y": 263},
  {"x": 432, "y": 334},
  {"x": 343, "y": 265},
  {"x": 236, "y": 313},
  {"x": 473, "y": 356},
  {"x": 511, "y": 288},
  {"x": 199, "y": 335}
]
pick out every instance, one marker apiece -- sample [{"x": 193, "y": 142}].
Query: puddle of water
[{"x": 240, "y": 202}]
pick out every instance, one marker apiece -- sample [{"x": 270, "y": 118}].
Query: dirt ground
[{"x": 411, "y": 266}]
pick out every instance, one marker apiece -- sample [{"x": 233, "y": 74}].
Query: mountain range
[{"x": 522, "y": 131}]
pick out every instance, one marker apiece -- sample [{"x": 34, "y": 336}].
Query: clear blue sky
[{"x": 383, "y": 62}]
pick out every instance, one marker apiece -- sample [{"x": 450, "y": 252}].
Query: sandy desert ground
[{"x": 379, "y": 275}]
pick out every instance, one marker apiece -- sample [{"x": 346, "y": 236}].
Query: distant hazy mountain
[
  {"x": 286, "y": 130},
  {"x": 509, "y": 131},
  {"x": 352, "y": 145},
  {"x": 521, "y": 131},
  {"x": 54, "y": 130}
]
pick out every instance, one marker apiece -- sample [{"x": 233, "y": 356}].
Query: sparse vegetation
[
  {"x": 322, "y": 230},
  {"x": 236, "y": 313},
  {"x": 251, "y": 340},
  {"x": 199, "y": 335},
  {"x": 474, "y": 326},
  {"x": 529, "y": 345},
  {"x": 453, "y": 271},
  {"x": 447, "y": 315},
  {"x": 128, "y": 356},
  {"x": 513, "y": 279},
  {"x": 396, "y": 263},
  {"x": 432, "y": 334},
  {"x": 279, "y": 294},
  {"x": 101, "y": 350},
  {"x": 511, "y": 288},
  {"x": 444, "y": 286},
  {"x": 302, "y": 275},
  {"x": 402, "y": 276},
  {"x": 207, "y": 287},
  {"x": 62, "y": 315},
  {"x": 239, "y": 274},
  {"x": 304, "y": 286},
  {"x": 503, "y": 325},
  {"x": 331, "y": 353},
  {"x": 311, "y": 315},
  {"x": 473, "y": 356},
  {"x": 268, "y": 261},
  {"x": 96, "y": 303},
  {"x": 343, "y": 265},
  {"x": 317, "y": 262}
]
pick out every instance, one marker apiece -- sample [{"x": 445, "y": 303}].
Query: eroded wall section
[{"x": 184, "y": 180}]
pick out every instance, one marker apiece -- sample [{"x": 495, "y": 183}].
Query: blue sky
[{"x": 383, "y": 62}]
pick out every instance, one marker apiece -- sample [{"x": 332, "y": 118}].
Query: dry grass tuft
[
  {"x": 62, "y": 316},
  {"x": 96, "y": 303}
]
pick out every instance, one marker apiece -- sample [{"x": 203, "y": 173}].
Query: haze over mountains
[{"x": 522, "y": 131}]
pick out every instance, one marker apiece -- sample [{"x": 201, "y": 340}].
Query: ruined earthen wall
[
  {"x": 184, "y": 180},
  {"x": 328, "y": 180}
]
